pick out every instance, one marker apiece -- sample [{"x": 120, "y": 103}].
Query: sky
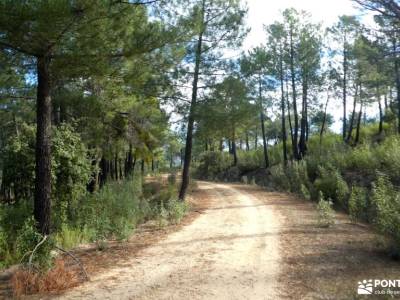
[{"x": 265, "y": 12}]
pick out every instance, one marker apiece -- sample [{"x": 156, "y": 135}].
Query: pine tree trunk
[
  {"x": 321, "y": 133},
  {"x": 256, "y": 139},
  {"x": 397, "y": 71},
  {"x": 262, "y": 120},
  {"x": 42, "y": 201},
  {"x": 284, "y": 137},
  {"x": 353, "y": 114},
  {"x": 193, "y": 104},
  {"x": 296, "y": 117},
  {"x": 380, "y": 115},
  {"x": 357, "y": 139},
  {"x": 234, "y": 152},
  {"x": 247, "y": 141},
  {"x": 344, "y": 89},
  {"x": 302, "y": 142}
]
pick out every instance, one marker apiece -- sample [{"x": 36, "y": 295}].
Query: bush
[
  {"x": 332, "y": 185},
  {"x": 358, "y": 203},
  {"x": 113, "y": 211},
  {"x": 297, "y": 176},
  {"x": 69, "y": 237},
  {"x": 250, "y": 160},
  {"x": 176, "y": 210},
  {"x": 28, "y": 239},
  {"x": 326, "y": 215},
  {"x": 278, "y": 178},
  {"x": 387, "y": 202},
  {"x": 212, "y": 164},
  {"x": 305, "y": 192}
]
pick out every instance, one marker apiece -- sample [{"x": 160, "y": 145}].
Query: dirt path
[{"x": 231, "y": 251}]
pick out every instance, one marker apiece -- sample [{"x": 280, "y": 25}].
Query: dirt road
[{"x": 231, "y": 251}]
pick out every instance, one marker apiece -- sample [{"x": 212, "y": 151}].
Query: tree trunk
[
  {"x": 116, "y": 167},
  {"x": 189, "y": 136},
  {"x": 353, "y": 114},
  {"x": 234, "y": 152},
  {"x": 42, "y": 201},
  {"x": 262, "y": 120},
  {"x": 256, "y": 138},
  {"x": 296, "y": 117},
  {"x": 142, "y": 166},
  {"x": 121, "y": 175},
  {"x": 221, "y": 145},
  {"x": 302, "y": 142},
  {"x": 284, "y": 147},
  {"x": 129, "y": 163},
  {"x": 321, "y": 133},
  {"x": 357, "y": 139},
  {"x": 380, "y": 115},
  {"x": 397, "y": 71},
  {"x": 344, "y": 89},
  {"x": 103, "y": 171}
]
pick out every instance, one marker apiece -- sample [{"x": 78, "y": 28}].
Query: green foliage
[
  {"x": 114, "y": 211},
  {"x": 332, "y": 185},
  {"x": 305, "y": 192},
  {"x": 358, "y": 203},
  {"x": 72, "y": 171},
  {"x": 386, "y": 199},
  {"x": 297, "y": 176},
  {"x": 278, "y": 177},
  {"x": 212, "y": 163},
  {"x": 28, "y": 239},
  {"x": 326, "y": 215},
  {"x": 68, "y": 237}
]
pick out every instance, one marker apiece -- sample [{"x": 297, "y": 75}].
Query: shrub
[
  {"x": 387, "y": 202},
  {"x": 69, "y": 237},
  {"x": 358, "y": 204},
  {"x": 213, "y": 163},
  {"x": 297, "y": 176},
  {"x": 326, "y": 215},
  {"x": 250, "y": 160},
  {"x": 28, "y": 240},
  {"x": 278, "y": 178},
  {"x": 113, "y": 211},
  {"x": 363, "y": 159},
  {"x": 176, "y": 210},
  {"x": 305, "y": 192},
  {"x": 332, "y": 185}
]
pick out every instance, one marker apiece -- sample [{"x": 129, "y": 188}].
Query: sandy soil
[{"x": 231, "y": 251}]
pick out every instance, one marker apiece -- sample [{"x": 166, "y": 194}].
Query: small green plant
[
  {"x": 162, "y": 216},
  {"x": 358, "y": 203},
  {"x": 386, "y": 200},
  {"x": 176, "y": 210},
  {"x": 33, "y": 247},
  {"x": 68, "y": 237},
  {"x": 305, "y": 192},
  {"x": 326, "y": 215}
]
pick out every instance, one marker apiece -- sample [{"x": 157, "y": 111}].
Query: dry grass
[{"x": 57, "y": 279}]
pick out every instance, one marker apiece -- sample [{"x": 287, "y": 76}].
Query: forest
[{"x": 111, "y": 111}]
